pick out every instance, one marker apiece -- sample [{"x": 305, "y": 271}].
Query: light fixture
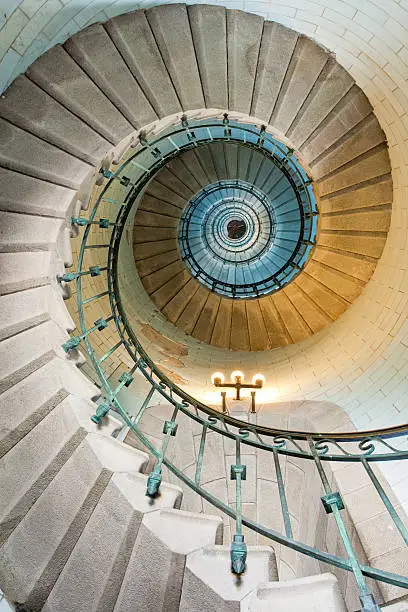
[
  {"x": 237, "y": 376},
  {"x": 258, "y": 380},
  {"x": 217, "y": 378}
]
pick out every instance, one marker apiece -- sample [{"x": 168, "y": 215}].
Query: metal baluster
[
  {"x": 110, "y": 352},
  {"x": 190, "y": 133},
  {"x": 135, "y": 420},
  {"x": 387, "y": 502},
  {"x": 282, "y": 495},
  {"x": 70, "y": 276},
  {"x": 155, "y": 476},
  {"x": 201, "y": 455},
  {"x": 95, "y": 297},
  {"x": 124, "y": 381},
  {"x": 143, "y": 407},
  {"x": 155, "y": 151},
  {"x": 227, "y": 129},
  {"x": 238, "y": 550},
  {"x": 96, "y": 246},
  {"x": 333, "y": 503},
  {"x": 124, "y": 180},
  {"x": 99, "y": 325},
  {"x": 102, "y": 223},
  {"x": 112, "y": 201}
]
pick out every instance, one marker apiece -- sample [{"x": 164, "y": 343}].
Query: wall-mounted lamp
[{"x": 237, "y": 378}]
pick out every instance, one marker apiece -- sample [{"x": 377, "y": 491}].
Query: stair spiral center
[{"x": 236, "y": 228}]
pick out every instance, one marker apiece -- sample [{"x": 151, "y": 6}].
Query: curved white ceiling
[{"x": 361, "y": 361}]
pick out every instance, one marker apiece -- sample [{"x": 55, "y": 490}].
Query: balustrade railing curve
[{"x": 107, "y": 219}]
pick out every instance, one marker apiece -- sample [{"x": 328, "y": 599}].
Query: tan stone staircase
[{"x": 77, "y": 531}]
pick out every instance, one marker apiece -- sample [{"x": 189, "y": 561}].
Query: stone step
[
  {"x": 210, "y": 585},
  {"x": 177, "y": 304},
  {"x": 31, "y": 108},
  {"x": 275, "y": 53},
  {"x": 133, "y": 37},
  {"x": 32, "y": 563},
  {"x": 25, "y": 194},
  {"x": 218, "y": 152},
  {"x": 365, "y": 136},
  {"x": 20, "y": 232},
  {"x": 59, "y": 75},
  {"x": 24, "y": 309},
  {"x": 373, "y": 164},
  {"x": 209, "y": 32},
  {"x": 23, "y": 152},
  {"x": 171, "y": 29},
  {"x": 306, "y": 594},
  {"x": 157, "y": 190},
  {"x": 152, "y": 204},
  {"x": 97, "y": 55},
  {"x": 351, "y": 109},
  {"x": 164, "y": 541},
  {"x": 206, "y": 160},
  {"x": 191, "y": 160},
  {"x": 153, "y": 219},
  {"x": 28, "y": 468},
  {"x": 29, "y": 350},
  {"x": 156, "y": 280},
  {"x": 333, "y": 83},
  {"x": 172, "y": 181},
  {"x": 162, "y": 296},
  {"x": 244, "y": 33},
  {"x": 306, "y": 63},
  {"x": 294, "y": 323},
  {"x": 181, "y": 169},
  {"x": 313, "y": 316},
  {"x": 148, "y": 265},
  {"x": 115, "y": 524},
  {"x": 26, "y": 403}
]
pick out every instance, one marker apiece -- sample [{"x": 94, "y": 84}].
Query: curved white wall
[{"x": 361, "y": 361}]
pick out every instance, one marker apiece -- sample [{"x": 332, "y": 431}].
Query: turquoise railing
[{"x": 107, "y": 219}]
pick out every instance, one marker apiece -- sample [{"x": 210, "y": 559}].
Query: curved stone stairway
[
  {"x": 353, "y": 228},
  {"x": 77, "y": 532}
]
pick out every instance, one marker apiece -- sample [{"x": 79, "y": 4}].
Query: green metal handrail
[{"x": 372, "y": 446}]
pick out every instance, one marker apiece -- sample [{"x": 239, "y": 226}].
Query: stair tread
[
  {"x": 171, "y": 29},
  {"x": 100, "y": 59},
  {"x": 34, "y": 110}
]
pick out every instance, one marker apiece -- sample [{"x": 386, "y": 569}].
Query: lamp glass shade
[
  {"x": 237, "y": 374},
  {"x": 258, "y": 380},
  {"x": 217, "y": 378}
]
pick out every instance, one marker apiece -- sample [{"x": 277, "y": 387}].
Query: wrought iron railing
[{"x": 106, "y": 222}]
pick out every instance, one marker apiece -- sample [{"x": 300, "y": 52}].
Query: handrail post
[
  {"x": 333, "y": 503},
  {"x": 238, "y": 550},
  {"x": 155, "y": 477}
]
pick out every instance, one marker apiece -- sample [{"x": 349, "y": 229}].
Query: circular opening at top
[{"x": 236, "y": 228}]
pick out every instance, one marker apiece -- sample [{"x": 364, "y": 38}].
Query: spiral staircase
[{"x": 107, "y": 142}]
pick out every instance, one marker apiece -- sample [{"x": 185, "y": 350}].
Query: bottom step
[
  {"x": 309, "y": 594},
  {"x": 210, "y": 585}
]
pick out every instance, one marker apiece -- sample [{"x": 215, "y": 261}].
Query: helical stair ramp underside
[{"x": 115, "y": 140}]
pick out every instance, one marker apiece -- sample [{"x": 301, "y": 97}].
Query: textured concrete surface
[
  {"x": 307, "y": 594},
  {"x": 164, "y": 540},
  {"x": 209, "y": 583}
]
